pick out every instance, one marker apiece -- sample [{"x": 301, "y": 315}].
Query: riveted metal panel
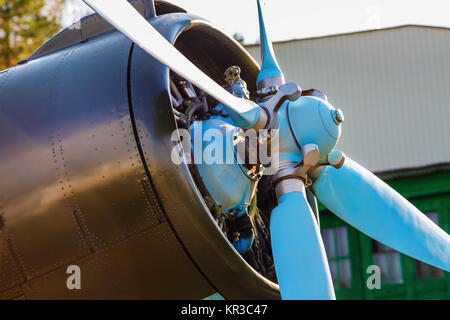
[
  {"x": 74, "y": 189},
  {"x": 128, "y": 270},
  {"x": 166, "y": 268},
  {"x": 40, "y": 228},
  {"x": 10, "y": 275},
  {"x": 53, "y": 285}
]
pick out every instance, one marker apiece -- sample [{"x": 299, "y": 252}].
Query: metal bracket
[
  {"x": 336, "y": 158},
  {"x": 267, "y": 91},
  {"x": 268, "y": 119},
  {"x": 283, "y": 179}
]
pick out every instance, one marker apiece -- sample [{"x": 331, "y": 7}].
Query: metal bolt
[{"x": 338, "y": 116}]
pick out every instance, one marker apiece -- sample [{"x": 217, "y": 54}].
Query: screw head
[{"x": 338, "y": 116}]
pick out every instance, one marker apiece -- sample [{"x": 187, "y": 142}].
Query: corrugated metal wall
[{"x": 393, "y": 86}]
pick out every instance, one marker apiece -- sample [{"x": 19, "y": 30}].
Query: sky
[{"x": 296, "y": 19}]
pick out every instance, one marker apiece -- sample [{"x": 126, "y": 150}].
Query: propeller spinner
[{"x": 309, "y": 129}]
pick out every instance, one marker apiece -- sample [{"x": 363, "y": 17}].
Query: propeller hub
[{"x": 315, "y": 121}]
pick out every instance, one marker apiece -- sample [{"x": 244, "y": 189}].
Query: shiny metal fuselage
[{"x": 86, "y": 178}]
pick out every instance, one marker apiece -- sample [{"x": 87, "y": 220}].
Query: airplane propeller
[
  {"x": 363, "y": 200},
  {"x": 309, "y": 130}
]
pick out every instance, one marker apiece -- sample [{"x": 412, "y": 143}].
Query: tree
[{"x": 24, "y": 26}]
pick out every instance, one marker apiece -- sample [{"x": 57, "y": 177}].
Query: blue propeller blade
[
  {"x": 269, "y": 65},
  {"x": 298, "y": 251},
  {"x": 363, "y": 200}
]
